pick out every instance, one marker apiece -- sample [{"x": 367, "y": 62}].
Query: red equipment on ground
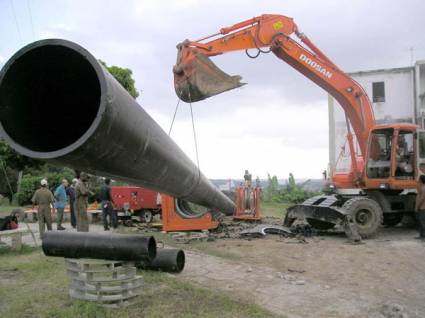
[
  {"x": 248, "y": 203},
  {"x": 248, "y": 199},
  {"x": 174, "y": 220},
  {"x": 138, "y": 201},
  {"x": 176, "y": 214}
]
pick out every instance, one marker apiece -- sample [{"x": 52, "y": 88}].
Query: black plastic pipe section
[
  {"x": 58, "y": 103},
  {"x": 118, "y": 247},
  {"x": 166, "y": 260}
]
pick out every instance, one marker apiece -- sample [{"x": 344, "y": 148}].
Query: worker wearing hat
[
  {"x": 43, "y": 198},
  {"x": 81, "y": 202}
]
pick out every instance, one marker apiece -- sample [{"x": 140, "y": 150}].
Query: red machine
[
  {"x": 174, "y": 217},
  {"x": 146, "y": 203},
  {"x": 176, "y": 214},
  {"x": 247, "y": 203},
  {"x": 248, "y": 200},
  {"x": 141, "y": 202},
  {"x": 380, "y": 186}
]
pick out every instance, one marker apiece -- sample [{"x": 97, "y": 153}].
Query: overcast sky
[{"x": 276, "y": 124}]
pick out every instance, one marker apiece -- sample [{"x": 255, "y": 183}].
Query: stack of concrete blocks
[{"x": 109, "y": 283}]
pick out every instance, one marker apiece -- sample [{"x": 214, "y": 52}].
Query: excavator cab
[
  {"x": 393, "y": 157},
  {"x": 196, "y": 77}
]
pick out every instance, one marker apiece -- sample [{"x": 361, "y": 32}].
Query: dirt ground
[{"x": 325, "y": 277}]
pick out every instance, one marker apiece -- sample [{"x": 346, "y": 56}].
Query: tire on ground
[
  {"x": 146, "y": 216},
  {"x": 366, "y": 213},
  {"x": 392, "y": 219}
]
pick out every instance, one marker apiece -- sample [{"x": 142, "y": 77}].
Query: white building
[{"x": 398, "y": 95}]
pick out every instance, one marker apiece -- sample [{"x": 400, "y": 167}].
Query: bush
[
  {"x": 291, "y": 193},
  {"x": 30, "y": 183}
]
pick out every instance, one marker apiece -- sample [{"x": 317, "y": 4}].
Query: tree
[
  {"x": 15, "y": 161},
  {"x": 292, "y": 186},
  {"x": 124, "y": 76},
  {"x": 11, "y": 163},
  {"x": 272, "y": 187}
]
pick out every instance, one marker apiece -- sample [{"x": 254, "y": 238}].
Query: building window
[{"x": 378, "y": 92}]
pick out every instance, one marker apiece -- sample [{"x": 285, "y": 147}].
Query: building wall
[
  {"x": 420, "y": 90},
  {"x": 399, "y": 106}
]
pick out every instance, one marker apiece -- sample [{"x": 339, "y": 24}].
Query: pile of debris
[{"x": 233, "y": 229}]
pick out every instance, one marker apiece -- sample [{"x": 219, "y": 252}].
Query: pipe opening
[
  {"x": 151, "y": 248},
  {"x": 180, "y": 261},
  {"x": 49, "y": 97}
]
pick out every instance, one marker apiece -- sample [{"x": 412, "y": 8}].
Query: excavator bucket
[{"x": 196, "y": 77}]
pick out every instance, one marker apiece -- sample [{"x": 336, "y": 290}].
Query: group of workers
[{"x": 78, "y": 193}]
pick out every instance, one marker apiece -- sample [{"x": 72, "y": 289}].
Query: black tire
[
  {"x": 367, "y": 215},
  {"x": 392, "y": 219},
  {"x": 319, "y": 224},
  {"x": 146, "y": 216}
]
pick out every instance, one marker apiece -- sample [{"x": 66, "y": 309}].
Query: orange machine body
[
  {"x": 247, "y": 203},
  {"x": 172, "y": 221}
]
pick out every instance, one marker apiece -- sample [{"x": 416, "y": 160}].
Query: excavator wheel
[
  {"x": 392, "y": 219},
  {"x": 367, "y": 215}
]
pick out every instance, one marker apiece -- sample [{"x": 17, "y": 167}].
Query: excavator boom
[{"x": 196, "y": 77}]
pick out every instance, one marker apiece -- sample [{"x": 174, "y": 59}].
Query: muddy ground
[{"x": 324, "y": 277}]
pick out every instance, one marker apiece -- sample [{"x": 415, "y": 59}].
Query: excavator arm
[{"x": 196, "y": 77}]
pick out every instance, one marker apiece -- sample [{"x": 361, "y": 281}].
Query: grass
[
  {"x": 33, "y": 285},
  {"x": 6, "y": 209},
  {"x": 274, "y": 209}
]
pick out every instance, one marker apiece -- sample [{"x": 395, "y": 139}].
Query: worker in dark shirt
[
  {"x": 70, "y": 191},
  {"x": 107, "y": 206}
]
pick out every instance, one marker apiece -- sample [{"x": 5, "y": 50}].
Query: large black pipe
[
  {"x": 58, "y": 103},
  {"x": 166, "y": 260},
  {"x": 119, "y": 247}
]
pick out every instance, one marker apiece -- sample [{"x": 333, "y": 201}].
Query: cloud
[{"x": 274, "y": 138}]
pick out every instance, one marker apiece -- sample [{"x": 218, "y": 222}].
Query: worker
[
  {"x": 420, "y": 206},
  {"x": 81, "y": 202},
  {"x": 107, "y": 206},
  {"x": 43, "y": 198},
  {"x": 60, "y": 203},
  {"x": 70, "y": 191}
]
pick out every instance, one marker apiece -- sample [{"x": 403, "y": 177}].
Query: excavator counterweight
[{"x": 196, "y": 77}]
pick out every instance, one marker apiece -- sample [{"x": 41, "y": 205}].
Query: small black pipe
[
  {"x": 167, "y": 260},
  {"x": 118, "y": 247}
]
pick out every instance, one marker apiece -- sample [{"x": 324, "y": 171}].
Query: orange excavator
[{"x": 380, "y": 185}]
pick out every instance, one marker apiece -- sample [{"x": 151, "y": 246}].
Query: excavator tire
[
  {"x": 367, "y": 215},
  {"x": 392, "y": 219}
]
